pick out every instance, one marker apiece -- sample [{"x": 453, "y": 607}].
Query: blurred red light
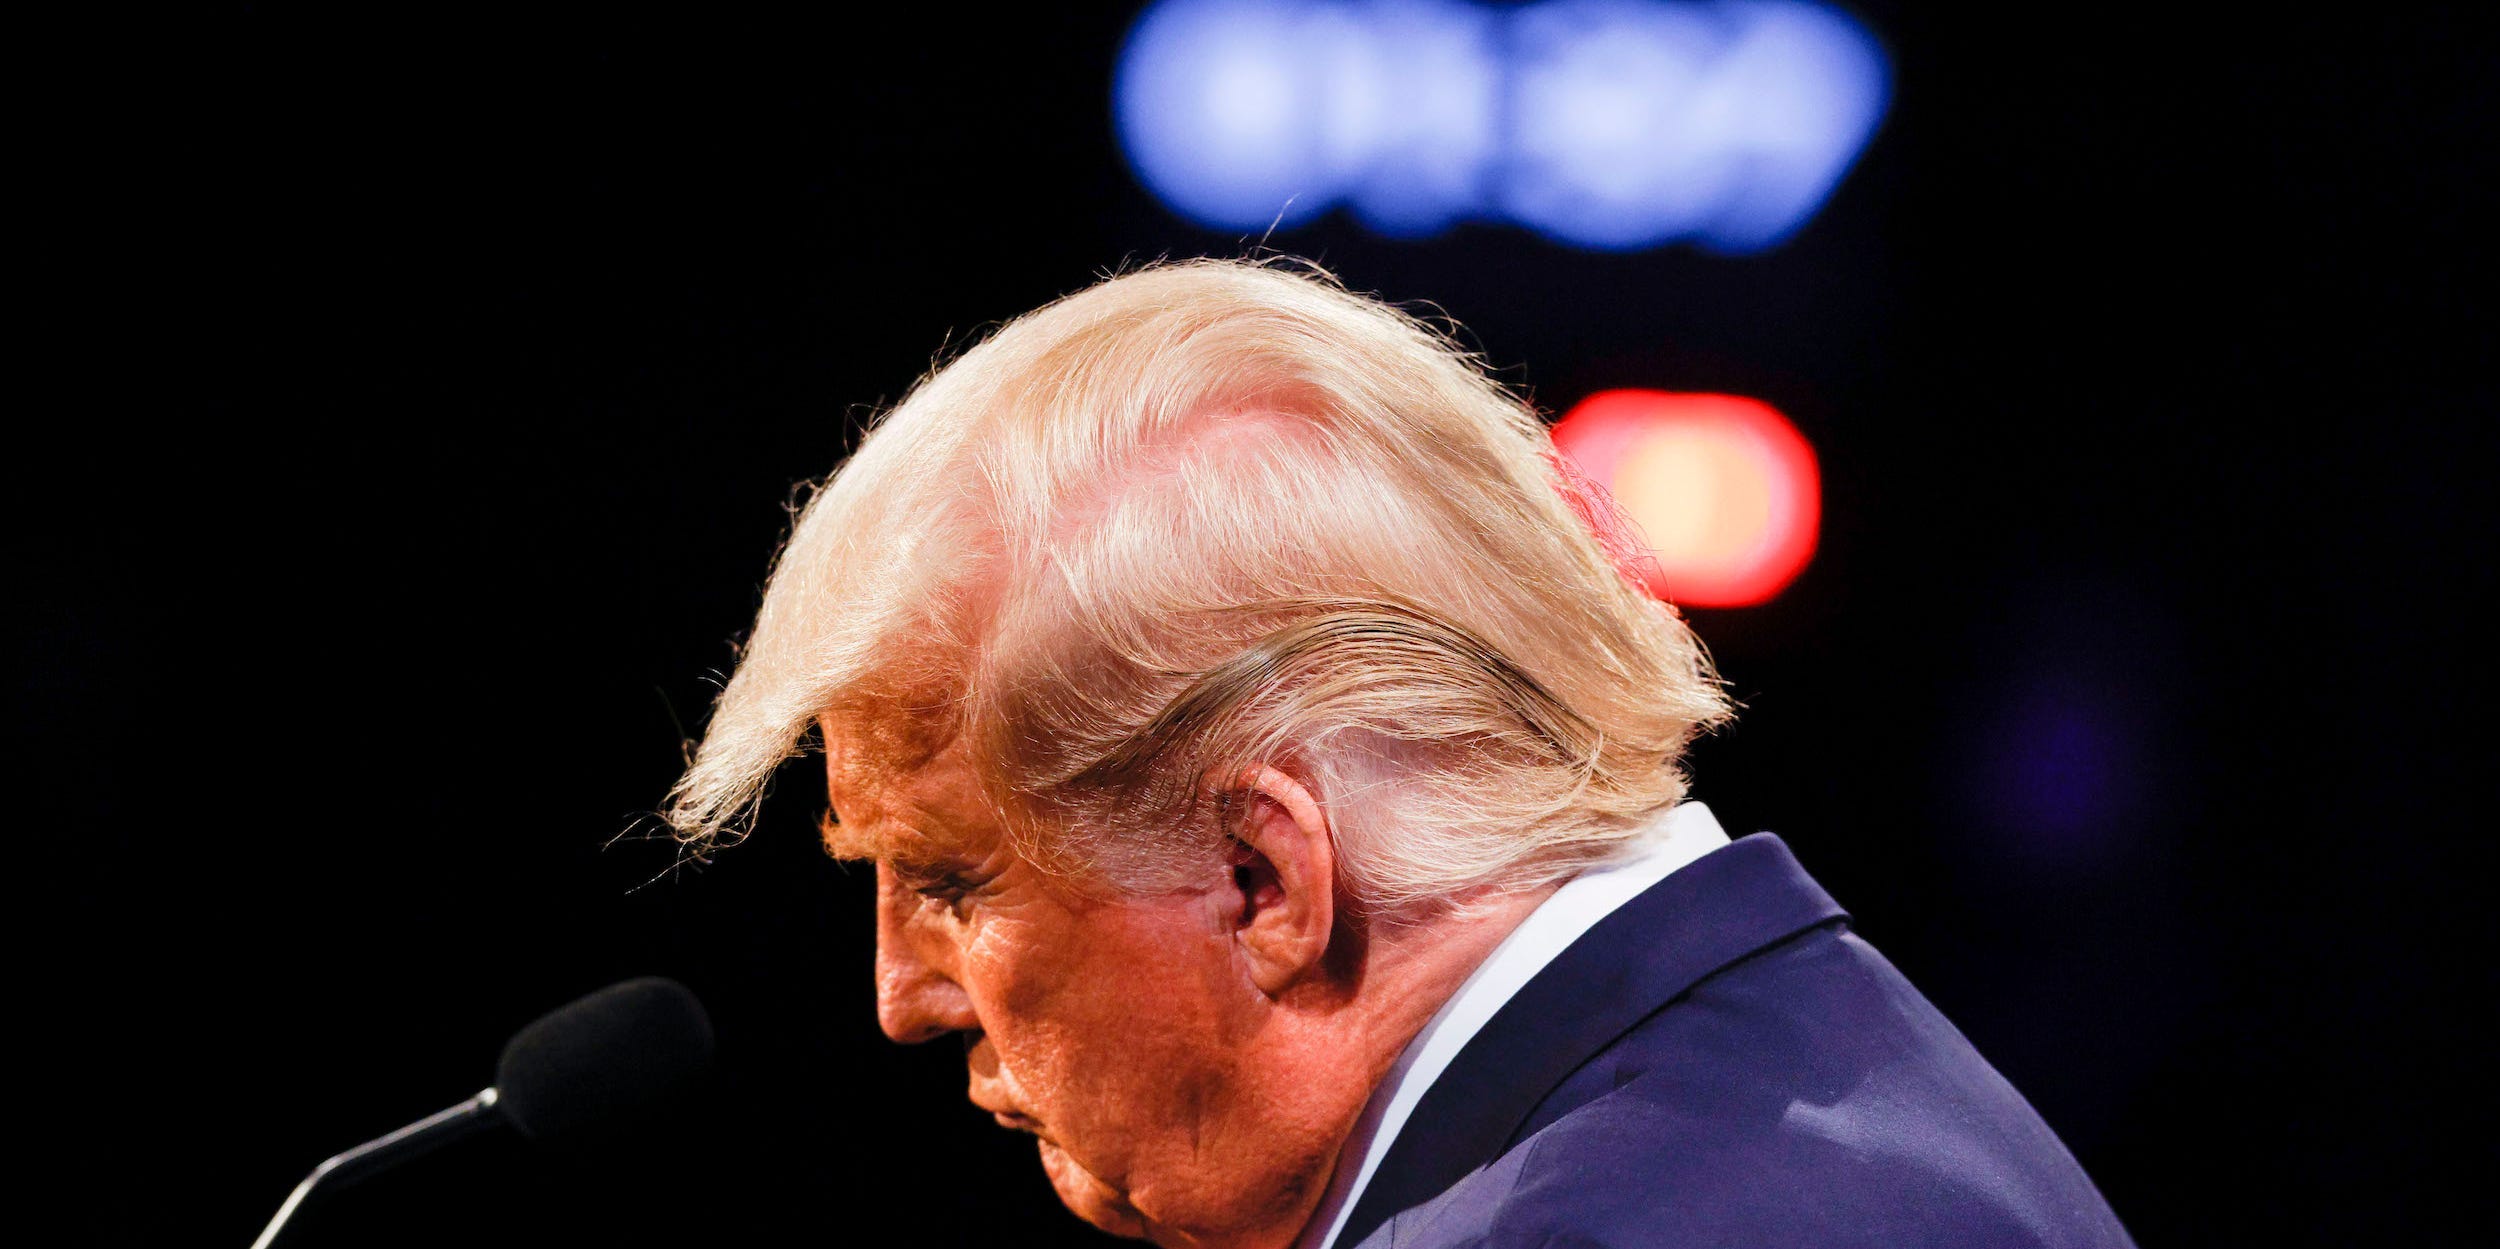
[{"x": 1724, "y": 490}]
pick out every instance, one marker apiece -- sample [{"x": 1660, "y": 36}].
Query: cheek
[{"x": 1106, "y": 1021}]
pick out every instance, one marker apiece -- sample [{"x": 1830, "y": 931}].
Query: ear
[{"x": 1285, "y": 878}]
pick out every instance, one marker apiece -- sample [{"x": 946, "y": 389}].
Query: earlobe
[{"x": 1285, "y": 870}]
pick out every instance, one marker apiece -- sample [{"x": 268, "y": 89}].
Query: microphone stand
[{"x": 417, "y": 1139}]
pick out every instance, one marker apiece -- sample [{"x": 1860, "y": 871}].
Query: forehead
[{"x": 902, "y": 788}]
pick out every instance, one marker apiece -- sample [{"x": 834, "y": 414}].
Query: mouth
[{"x": 1012, "y": 1120}]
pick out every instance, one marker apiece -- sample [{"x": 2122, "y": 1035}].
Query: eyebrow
[
  {"x": 845, "y": 843},
  {"x": 923, "y": 856}
]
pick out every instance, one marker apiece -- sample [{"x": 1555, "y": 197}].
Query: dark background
[{"x": 455, "y": 372}]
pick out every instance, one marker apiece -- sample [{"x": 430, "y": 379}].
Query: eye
[
  {"x": 944, "y": 889},
  {"x": 950, "y": 889}
]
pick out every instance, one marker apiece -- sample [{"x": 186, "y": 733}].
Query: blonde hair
[{"x": 1214, "y": 514}]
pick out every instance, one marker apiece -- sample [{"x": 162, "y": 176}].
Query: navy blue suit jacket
[{"x": 1721, "y": 1062}]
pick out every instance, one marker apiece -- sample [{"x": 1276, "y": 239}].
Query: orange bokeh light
[{"x": 1724, "y": 490}]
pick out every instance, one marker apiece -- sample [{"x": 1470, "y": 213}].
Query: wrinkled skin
[{"x": 1190, "y": 1063}]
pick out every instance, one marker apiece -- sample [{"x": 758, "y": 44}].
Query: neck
[
  {"x": 1385, "y": 989},
  {"x": 1410, "y": 973}
]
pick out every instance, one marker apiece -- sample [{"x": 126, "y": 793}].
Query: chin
[{"x": 1089, "y": 1198}]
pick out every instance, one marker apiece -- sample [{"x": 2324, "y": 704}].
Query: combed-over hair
[{"x": 1214, "y": 514}]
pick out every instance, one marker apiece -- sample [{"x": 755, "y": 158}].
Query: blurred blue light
[
  {"x": 2068, "y": 756},
  {"x": 2059, "y": 771},
  {"x": 2064, "y": 765},
  {"x": 1608, "y": 124}
]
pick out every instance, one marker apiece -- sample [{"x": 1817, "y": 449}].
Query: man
[{"x": 1271, "y": 768}]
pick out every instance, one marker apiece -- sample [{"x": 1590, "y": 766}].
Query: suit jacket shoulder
[{"x": 1798, "y": 1091}]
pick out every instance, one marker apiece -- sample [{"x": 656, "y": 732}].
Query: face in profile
[{"x": 1117, "y": 1031}]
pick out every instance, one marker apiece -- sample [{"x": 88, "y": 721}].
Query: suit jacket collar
[{"x": 1722, "y": 907}]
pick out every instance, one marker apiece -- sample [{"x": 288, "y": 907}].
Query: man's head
[{"x": 1193, "y": 657}]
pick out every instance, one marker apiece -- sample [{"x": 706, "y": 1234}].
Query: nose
[{"x": 918, "y": 997}]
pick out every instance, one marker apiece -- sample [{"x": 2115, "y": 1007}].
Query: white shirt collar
[{"x": 1684, "y": 833}]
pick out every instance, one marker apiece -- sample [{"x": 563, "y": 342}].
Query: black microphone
[{"x": 586, "y": 1070}]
